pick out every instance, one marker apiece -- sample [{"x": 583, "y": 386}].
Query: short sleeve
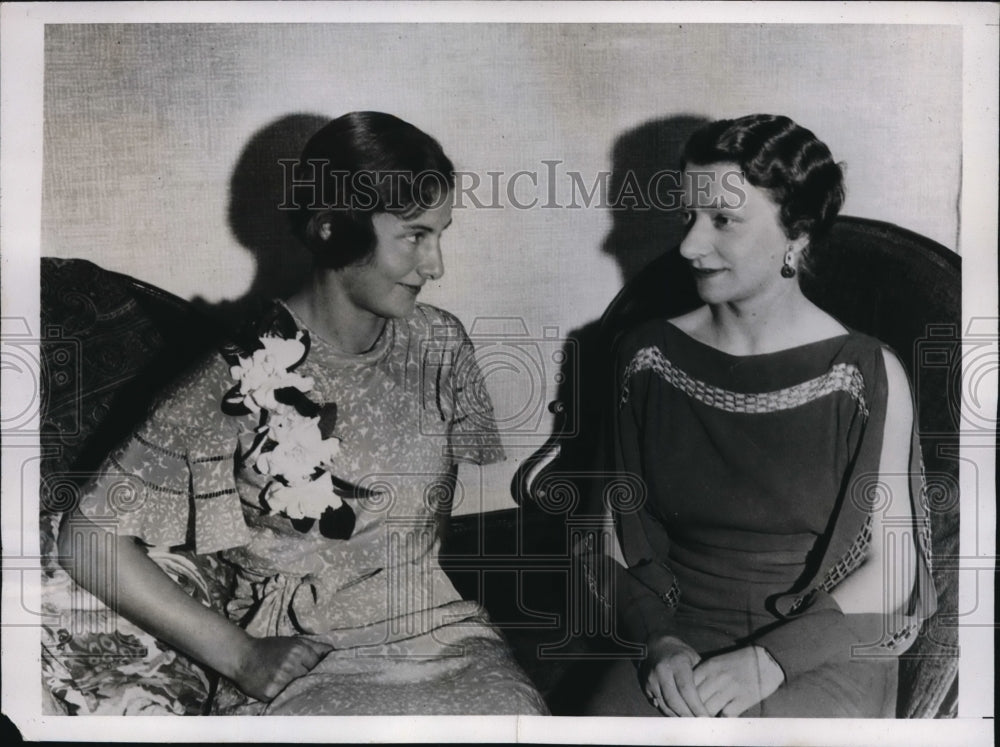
[
  {"x": 473, "y": 435},
  {"x": 454, "y": 391},
  {"x": 172, "y": 482}
]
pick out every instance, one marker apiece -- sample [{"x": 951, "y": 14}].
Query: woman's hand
[
  {"x": 267, "y": 665},
  {"x": 730, "y": 683},
  {"x": 667, "y": 677}
]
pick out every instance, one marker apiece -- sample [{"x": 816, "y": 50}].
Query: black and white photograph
[{"x": 499, "y": 372}]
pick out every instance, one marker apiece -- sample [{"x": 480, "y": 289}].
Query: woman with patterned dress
[
  {"x": 777, "y": 563},
  {"x": 317, "y": 454}
]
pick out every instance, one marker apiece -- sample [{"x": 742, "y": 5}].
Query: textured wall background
[{"x": 160, "y": 146}]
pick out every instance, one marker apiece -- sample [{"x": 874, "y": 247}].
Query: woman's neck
[
  {"x": 761, "y": 325},
  {"x": 323, "y": 307}
]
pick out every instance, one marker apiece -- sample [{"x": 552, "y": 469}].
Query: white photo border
[{"x": 22, "y": 67}]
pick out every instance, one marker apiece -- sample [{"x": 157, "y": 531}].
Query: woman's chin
[
  {"x": 711, "y": 298},
  {"x": 399, "y": 307}
]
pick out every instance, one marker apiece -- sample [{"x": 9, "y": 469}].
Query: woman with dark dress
[
  {"x": 316, "y": 457},
  {"x": 779, "y": 563}
]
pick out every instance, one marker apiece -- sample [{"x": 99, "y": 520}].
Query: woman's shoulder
[
  {"x": 428, "y": 314},
  {"x": 193, "y": 402},
  {"x": 205, "y": 376},
  {"x": 856, "y": 340},
  {"x": 650, "y": 333},
  {"x": 432, "y": 322},
  {"x": 671, "y": 338},
  {"x": 692, "y": 321},
  {"x": 819, "y": 328},
  {"x": 677, "y": 343}
]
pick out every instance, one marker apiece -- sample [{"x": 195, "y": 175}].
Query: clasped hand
[
  {"x": 679, "y": 683},
  {"x": 266, "y": 665}
]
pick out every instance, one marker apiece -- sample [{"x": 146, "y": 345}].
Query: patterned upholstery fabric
[{"x": 108, "y": 342}]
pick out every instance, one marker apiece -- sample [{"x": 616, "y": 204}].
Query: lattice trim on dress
[
  {"x": 856, "y": 554},
  {"x": 924, "y": 522},
  {"x": 591, "y": 580},
  {"x": 844, "y": 567},
  {"x": 852, "y": 559},
  {"x": 672, "y": 596},
  {"x": 901, "y": 636},
  {"x": 842, "y": 377}
]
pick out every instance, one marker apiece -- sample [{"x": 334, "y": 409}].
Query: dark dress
[{"x": 761, "y": 477}]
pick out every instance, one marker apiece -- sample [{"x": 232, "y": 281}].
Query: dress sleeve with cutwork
[
  {"x": 646, "y": 590},
  {"x": 815, "y": 630},
  {"x": 172, "y": 482}
]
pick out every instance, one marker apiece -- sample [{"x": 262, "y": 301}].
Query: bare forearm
[
  {"x": 883, "y": 584},
  {"x": 116, "y": 570},
  {"x": 876, "y": 588}
]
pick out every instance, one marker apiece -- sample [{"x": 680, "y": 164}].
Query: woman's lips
[
  {"x": 414, "y": 289},
  {"x": 707, "y": 272}
]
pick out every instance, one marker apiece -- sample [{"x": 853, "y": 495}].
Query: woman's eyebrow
[
  {"x": 718, "y": 204},
  {"x": 422, "y": 226}
]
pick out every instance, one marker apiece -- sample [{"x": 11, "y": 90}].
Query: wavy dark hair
[
  {"x": 355, "y": 166},
  {"x": 789, "y": 161}
]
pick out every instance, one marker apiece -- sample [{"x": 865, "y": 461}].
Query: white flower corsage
[{"x": 295, "y": 443}]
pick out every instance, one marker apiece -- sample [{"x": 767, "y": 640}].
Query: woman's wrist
[
  {"x": 767, "y": 664},
  {"x": 818, "y": 635},
  {"x": 660, "y": 643},
  {"x": 234, "y": 651}
]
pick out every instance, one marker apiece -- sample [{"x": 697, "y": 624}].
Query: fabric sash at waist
[{"x": 373, "y": 609}]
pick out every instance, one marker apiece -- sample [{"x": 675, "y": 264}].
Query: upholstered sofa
[{"x": 109, "y": 341}]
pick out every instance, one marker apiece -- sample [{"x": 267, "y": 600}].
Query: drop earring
[{"x": 787, "y": 269}]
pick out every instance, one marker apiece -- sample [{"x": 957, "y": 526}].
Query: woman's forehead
[{"x": 719, "y": 185}]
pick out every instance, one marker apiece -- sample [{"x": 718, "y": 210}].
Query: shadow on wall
[
  {"x": 137, "y": 342},
  {"x": 645, "y": 184},
  {"x": 256, "y": 189},
  {"x": 642, "y": 195},
  {"x": 645, "y": 223}
]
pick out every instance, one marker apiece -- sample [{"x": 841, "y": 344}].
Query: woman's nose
[
  {"x": 693, "y": 245},
  {"x": 431, "y": 265}
]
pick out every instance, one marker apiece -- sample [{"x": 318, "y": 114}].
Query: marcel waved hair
[
  {"x": 779, "y": 156},
  {"x": 355, "y": 166}
]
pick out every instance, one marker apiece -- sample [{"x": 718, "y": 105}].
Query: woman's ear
[
  {"x": 319, "y": 230},
  {"x": 324, "y": 228},
  {"x": 798, "y": 246}
]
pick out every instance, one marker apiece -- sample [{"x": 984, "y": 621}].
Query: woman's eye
[
  {"x": 721, "y": 221},
  {"x": 687, "y": 217},
  {"x": 415, "y": 238}
]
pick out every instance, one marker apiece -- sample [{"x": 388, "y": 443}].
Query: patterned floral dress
[
  {"x": 405, "y": 641},
  {"x": 761, "y": 477}
]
